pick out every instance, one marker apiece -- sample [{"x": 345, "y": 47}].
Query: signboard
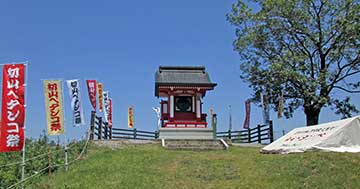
[
  {"x": 13, "y": 109},
  {"x": 339, "y": 136},
  {"x": 54, "y": 106}
]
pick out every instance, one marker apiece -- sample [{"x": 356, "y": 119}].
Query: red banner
[
  {"x": 247, "y": 118},
  {"x": 13, "y": 109},
  {"x": 91, "y": 85},
  {"x": 110, "y": 113}
]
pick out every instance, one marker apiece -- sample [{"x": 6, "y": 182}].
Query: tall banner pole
[
  {"x": 230, "y": 118},
  {"x": 65, "y": 138},
  {"x": 25, "y": 106}
]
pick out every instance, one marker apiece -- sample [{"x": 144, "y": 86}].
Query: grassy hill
[{"x": 151, "y": 166}]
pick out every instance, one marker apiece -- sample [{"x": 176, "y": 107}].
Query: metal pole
[
  {"x": 23, "y": 150},
  {"x": 66, "y": 155},
  {"x": 230, "y": 118},
  {"x": 215, "y": 125},
  {"x": 23, "y": 165}
]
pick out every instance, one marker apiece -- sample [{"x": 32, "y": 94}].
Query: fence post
[
  {"x": 110, "y": 132},
  {"x": 135, "y": 133},
  {"x": 249, "y": 135},
  {"x": 92, "y": 125},
  {"x": 49, "y": 160},
  {"x": 106, "y": 131},
  {"x": 271, "y": 131},
  {"x": 100, "y": 128},
  {"x": 229, "y": 135},
  {"x": 259, "y": 134},
  {"x": 156, "y": 134}
]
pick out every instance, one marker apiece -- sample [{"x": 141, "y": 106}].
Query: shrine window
[{"x": 183, "y": 104}]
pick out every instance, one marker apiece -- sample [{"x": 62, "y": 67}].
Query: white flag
[
  {"x": 77, "y": 112},
  {"x": 106, "y": 102}
]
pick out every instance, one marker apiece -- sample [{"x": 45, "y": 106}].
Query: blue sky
[{"x": 122, "y": 43}]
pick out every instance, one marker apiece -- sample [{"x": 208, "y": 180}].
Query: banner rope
[
  {"x": 85, "y": 146},
  {"x": 52, "y": 166},
  {"x": 33, "y": 158},
  {"x": 36, "y": 157},
  {"x": 30, "y": 177}
]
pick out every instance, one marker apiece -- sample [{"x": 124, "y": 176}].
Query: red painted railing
[{"x": 185, "y": 124}]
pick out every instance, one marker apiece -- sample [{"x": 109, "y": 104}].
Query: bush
[{"x": 39, "y": 152}]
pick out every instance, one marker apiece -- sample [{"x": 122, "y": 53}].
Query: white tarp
[{"x": 337, "y": 136}]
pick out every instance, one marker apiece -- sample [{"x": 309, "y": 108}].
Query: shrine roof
[{"x": 182, "y": 76}]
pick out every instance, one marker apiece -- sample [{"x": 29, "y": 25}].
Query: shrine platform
[
  {"x": 195, "y": 144},
  {"x": 186, "y": 133}
]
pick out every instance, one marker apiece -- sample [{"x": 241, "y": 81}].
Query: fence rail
[{"x": 259, "y": 134}]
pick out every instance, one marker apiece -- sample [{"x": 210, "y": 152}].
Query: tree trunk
[{"x": 312, "y": 116}]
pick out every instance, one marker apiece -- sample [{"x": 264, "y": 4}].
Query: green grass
[{"x": 151, "y": 166}]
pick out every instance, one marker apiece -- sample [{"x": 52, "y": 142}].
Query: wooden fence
[
  {"x": 104, "y": 131},
  {"x": 260, "y": 134},
  {"x": 133, "y": 134}
]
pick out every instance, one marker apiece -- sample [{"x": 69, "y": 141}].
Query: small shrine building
[{"x": 181, "y": 90}]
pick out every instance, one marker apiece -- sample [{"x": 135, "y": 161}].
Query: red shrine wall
[{"x": 182, "y": 119}]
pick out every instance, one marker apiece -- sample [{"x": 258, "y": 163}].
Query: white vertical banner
[
  {"x": 76, "y": 106},
  {"x": 106, "y": 102}
]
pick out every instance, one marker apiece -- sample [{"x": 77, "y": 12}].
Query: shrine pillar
[
  {"x": 171, "y": 103},
  {"x": 198, "y": 106}
]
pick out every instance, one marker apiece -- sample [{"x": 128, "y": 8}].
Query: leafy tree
[{"x": 308, "y": 50}]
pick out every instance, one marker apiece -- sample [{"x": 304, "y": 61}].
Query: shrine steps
[{"x": 194, "y": 144}]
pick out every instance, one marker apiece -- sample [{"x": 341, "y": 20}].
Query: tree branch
[
  {"x": 347, "y": 75},
  {"x": 346, "y": 90}
]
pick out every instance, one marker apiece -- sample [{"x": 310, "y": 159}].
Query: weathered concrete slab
[
  {"x": 115, "y": 144},
  {"x": 248, "y": 145}
]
